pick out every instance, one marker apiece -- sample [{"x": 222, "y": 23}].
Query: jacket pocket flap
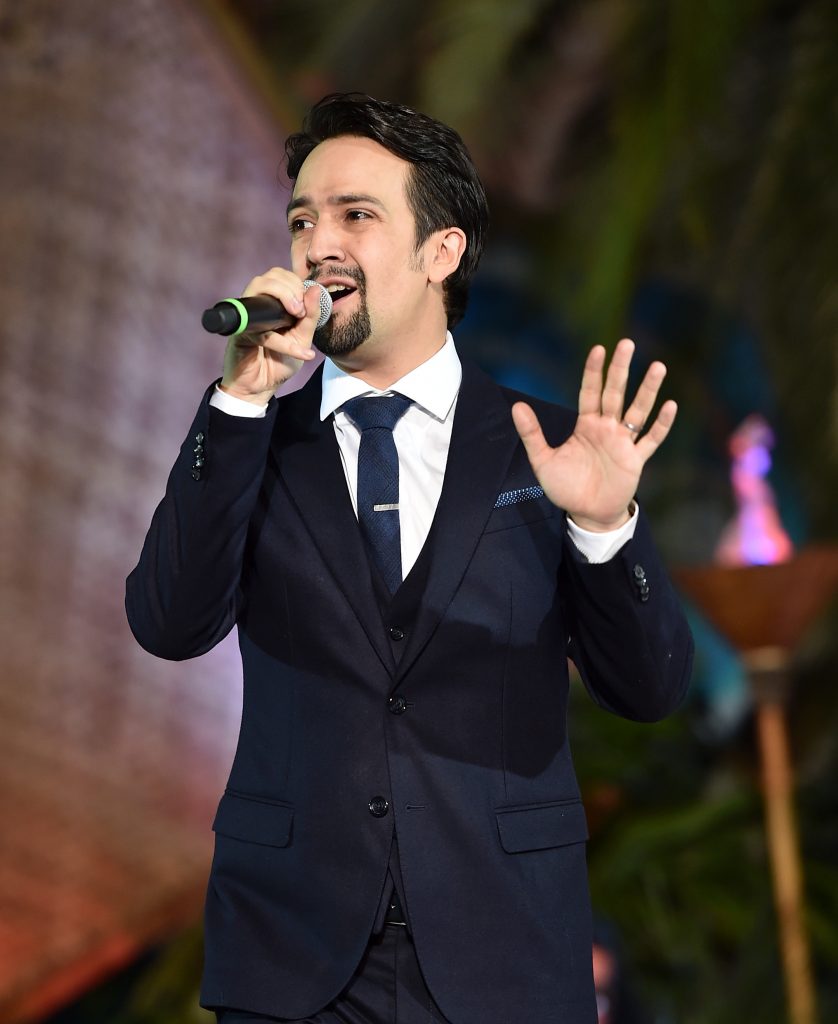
[
  {"x": 254, "y": 821},
  {"x": 541, "y": 827}
]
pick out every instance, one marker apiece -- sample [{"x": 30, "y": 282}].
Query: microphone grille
[{"x": 325, "y": 302}]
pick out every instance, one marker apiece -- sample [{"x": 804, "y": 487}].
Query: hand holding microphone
[
  {"x": 272, "y": 327},
  {"x": 259, "y": 312}
]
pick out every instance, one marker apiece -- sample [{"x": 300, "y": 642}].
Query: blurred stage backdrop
[{"x": 660, "y": 168}]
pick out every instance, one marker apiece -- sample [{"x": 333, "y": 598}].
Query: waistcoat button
[
  {"x": 396, "y": 633},
  {"x": 396, "y": 705},
  {"x": 378, "y": 807}
]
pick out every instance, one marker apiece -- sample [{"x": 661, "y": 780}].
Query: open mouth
[{"x": 339, "y": 292}]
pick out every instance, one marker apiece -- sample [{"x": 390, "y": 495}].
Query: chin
[{"x": 342, "y": 335}]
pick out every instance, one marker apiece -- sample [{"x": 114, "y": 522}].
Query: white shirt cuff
[
  {"x": 237, "y": 406},
  {"x": 600, "y": 547}
]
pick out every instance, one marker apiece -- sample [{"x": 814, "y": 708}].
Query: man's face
[{"x": 353, "y": 231}]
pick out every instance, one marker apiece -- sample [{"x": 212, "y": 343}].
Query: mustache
[{"x": 352, "y": 273}]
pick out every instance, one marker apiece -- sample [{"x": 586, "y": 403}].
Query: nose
[{"x": 324, "y": 244}]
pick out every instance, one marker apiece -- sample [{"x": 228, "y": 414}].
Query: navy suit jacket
[{"x": 473, "y": 762}]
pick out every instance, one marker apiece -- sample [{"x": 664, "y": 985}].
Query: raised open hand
[{"x": 594, "y": 474}]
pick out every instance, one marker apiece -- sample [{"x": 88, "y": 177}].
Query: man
[{"x": 409, "y": 554}]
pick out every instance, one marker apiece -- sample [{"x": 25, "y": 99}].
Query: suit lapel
[
  {"x": 309, "y": 463},
  {"x": 483, "y": 440}
]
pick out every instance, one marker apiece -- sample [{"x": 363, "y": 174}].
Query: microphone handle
[{"x": 234, "y": 316}]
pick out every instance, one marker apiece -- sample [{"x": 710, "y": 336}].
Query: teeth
[{"x": 332, "y": 288}]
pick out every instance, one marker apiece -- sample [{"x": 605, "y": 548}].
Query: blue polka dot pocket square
[
  {"x": 518, "y": 495},
  {"x": 519, "y": 507}
]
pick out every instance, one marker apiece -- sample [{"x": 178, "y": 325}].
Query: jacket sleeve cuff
[
  {"x": 601, "y": 547},
  {"x": 233, "y": 406}
]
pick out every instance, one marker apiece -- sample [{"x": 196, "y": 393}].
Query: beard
[{"x": 339, "y": 337}]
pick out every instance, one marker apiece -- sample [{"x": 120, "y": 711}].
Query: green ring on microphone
[{"x": 244, "y": 319}]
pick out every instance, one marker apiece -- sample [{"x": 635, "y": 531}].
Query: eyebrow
[{"x": 346, "y": 199}]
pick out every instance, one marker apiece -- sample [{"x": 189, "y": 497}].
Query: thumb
[
  {"x": 531, "y": 434},
  {"x": 311, "y": 300},
  {"x": 302, "y": 332}
]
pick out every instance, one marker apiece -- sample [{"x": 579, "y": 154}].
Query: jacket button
[
  {"x": 396, "y": 705},
  {"x": 378, "y": 807},
  {"x": 639, "y": 572},
  {"x": 396, "y": 633}
]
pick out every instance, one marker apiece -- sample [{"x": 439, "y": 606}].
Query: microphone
[{"x": 234, "y": 316}]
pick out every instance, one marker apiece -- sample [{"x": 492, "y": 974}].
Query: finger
[
  {"x": 614, "y": 392},
  {"x": 281, "y": 284},
  {"x": 590, "y": 391},
  {"x": 285, "y": 344},
  {"x": 656, "y": 434},
  {"x": 290, "y": 343},
  {"x": 531, "y": 434},
  {"x": 257, "y": 369},
  {"x": 638, "y": 412}
]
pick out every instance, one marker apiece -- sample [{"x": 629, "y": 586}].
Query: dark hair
[{"x": 443, "y": 189}]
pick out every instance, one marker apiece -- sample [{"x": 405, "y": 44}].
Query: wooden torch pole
[{"x": 769, "y": 677}]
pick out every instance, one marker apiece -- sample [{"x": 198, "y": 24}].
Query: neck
[{"x": 381, "y": 363}]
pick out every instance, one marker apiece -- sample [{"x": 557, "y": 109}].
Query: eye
[
  {"x": 299, "y": 224},
  {"x": 357, "y": 216}
]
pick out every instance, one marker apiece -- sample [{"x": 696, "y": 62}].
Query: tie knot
[{"x": 368, "y": 412}]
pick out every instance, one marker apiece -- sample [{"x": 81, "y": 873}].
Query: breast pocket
[
  {"x": 541, "y": 826},
  {"x": 253, "y": 820}
]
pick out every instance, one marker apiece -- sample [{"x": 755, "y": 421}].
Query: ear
[{"x": 444, "y": 251}]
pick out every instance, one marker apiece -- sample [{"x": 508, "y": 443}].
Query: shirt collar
[{"x": 433, "y": 384}]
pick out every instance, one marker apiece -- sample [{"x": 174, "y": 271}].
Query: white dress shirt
[{"x": 422, "y": 437}]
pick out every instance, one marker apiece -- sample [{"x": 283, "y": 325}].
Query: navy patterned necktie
[{"x": 378, "y": 481}]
